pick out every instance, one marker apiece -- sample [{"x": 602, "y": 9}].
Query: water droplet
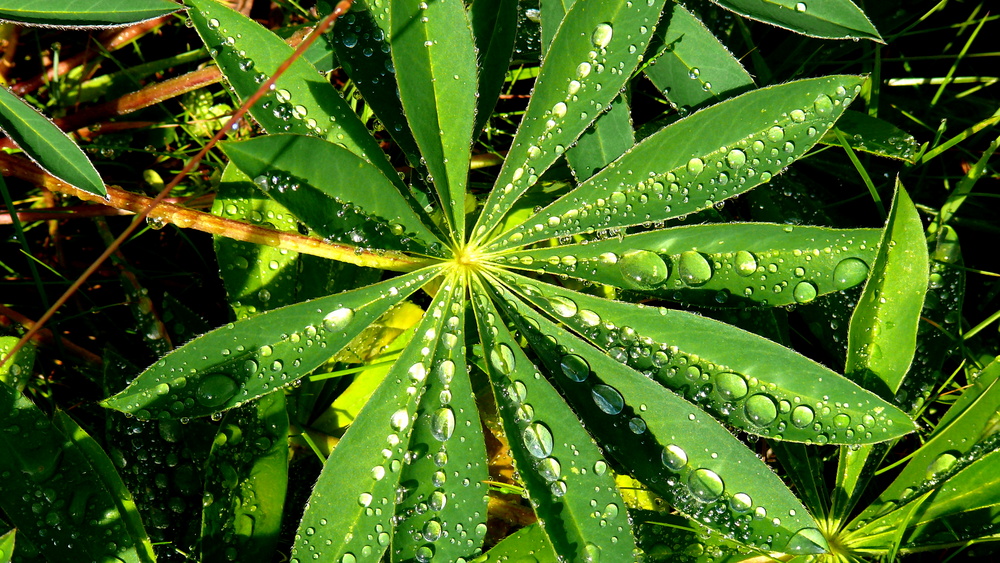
[
  {"x": 602, "y": 35},
  {"x": 216, "y": 389},
  {"x": 583, "y": 70},
  {"x": 849, "y": 273},
  {"x": 797, "y": 115},
  {"x": 502, "y": 358},
  {"x": 562, "y": 306},
  {"x": 804, "y": 292},
  {"x": 643, "y": 268},
  {"x": 746, "y": 263},
  {"x": 550, "y": 469},
  {"x": 443, "y": 423},
  {"x": 706, "y": 484},
  {"x": 438, "y": 500},
  {"x": 575, "y": 367},
  {"x": 736, "y": 158},
  {"x": 807, "y": 541},
  {"x": 399, "y": 420},
  {"x": 674, "y": 457},
  {"x": 761, "y": 409},
  {"x": 775, "y": 134},
  {"x": 823, "y": 104},
  {"x": 339, "y": 319},
  {"x": 694, "y": 73},
  {"x": 800, "y": 7},
  {"x": 802, "y": 416},
  {"x": 432, "y": 530},
  {"x": 941, "y": 465},
  {"x": 365, "y": 499},
  {"x": 694, "y": 268},
  {"x": 559, "y": 110},
  {"x": 161, "y": 389},
  {"x": 591, "y": 553},
  {"x": 538, "y": 440},
  {"x": 600, "y": 467},
  {"x": 731, "y": 386},
  {"x": 608, "y": 399},
  {"x": 741, "y": 502},
  {"x": 841, "y": 421},
  {"x": 695, "y": 165}
]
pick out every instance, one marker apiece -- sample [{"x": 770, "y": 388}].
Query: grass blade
[{"x": 84, "y": 13}]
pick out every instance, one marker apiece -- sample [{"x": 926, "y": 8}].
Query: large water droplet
[
  {"x": 941, "y": 465},
  {"x": 746, "y": 263},
  {"x": 538, "y": 440},
  {"x": 797, "y": 115},
  {"x": 443, "y": 423},
  {"x": 807, "y": 541},
  {"x": 736, "y": 158},
  {"x": 575, "y": 367},
  {"x": 802, "y": 416},
  {"x": 502, "y": 358},
  {"x": 741, "y": 502},
  {"x": 216, "y": 389},
  {"x": 706, "y": 484},
  {"x": 438, "y": 500},
  {"x": 823, "y": 104},
  {"x": 804, "y": 292},
  {"x": 775, "y": 134},
  {"x": 550, "y": 469},
  {"x": 602, "y": 35},
  {"x": 562, "y": 306},
  {"x": 674, "y": 457},
  {"x": 731, "y": 386},
  {"x": 693, "y": 268},
  {"x": 591, "y": 553},
  {"x": 339, "y": 319},
  {"x": 608, "y": 399},
  {"x": 761, "y": 409},
  {"x": 849, "y": 273},
  {"x": 695, "y": 165},
  {"x": 643, "y": 268}
]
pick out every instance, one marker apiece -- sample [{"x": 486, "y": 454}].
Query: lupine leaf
[
  {"x": 84, "y": 13},
  {"x": 832, "y": 19}
]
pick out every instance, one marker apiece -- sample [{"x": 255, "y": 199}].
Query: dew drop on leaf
[
  {"x": 731, "y": 386},
  {"x": 674, "y": 457},
  {"x": 443, "y": 423},
  {"x": 761, "y": 409},
  {"x": 694, "y": 268},
  {"x": 940, "y": 465},
  {"x": 602, "y": 35},
  {"x": 823, "y": 104},
  {"x": 736, "y": 158},
  {"x": 564, "y": 307},
  {"x": 608, "y": 399},
  {"x": 643, "y": 268},
  {"x": 802, "y": 416},
  {"x": 695, "y": 165},
  {"x": 575, "y": 367},
  {"x": 746, "y": 263},
  {"x": 502, "y": 358},
  {"x": 216, "y": 389},
  {"x": 338, "y": 319},
  {"x": 807, "y": 541},
  {"x": 741, "y": 502},
  {"x": 538, "y": 440},
  {"x": 849, "y": 273},
  {"x": 550, "y": 469},
  {"x": 706, "y": 484},
  {"x": 804, "y": 292}
]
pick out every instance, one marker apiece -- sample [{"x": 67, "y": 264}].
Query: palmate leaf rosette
[{"x": 583, "y": 387}]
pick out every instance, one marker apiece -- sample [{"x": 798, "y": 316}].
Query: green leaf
[
  {"x": 246, "y": 477},
  {"x": 359, "y": 488},
  {"x": 875, "y": 136},
  {"x": 604, "y": 141},
  {"x": 716, "y": 265},
  {"x": 694, "y": 164},
  {"x": 692, "y": 67},
  {"x": 443, "y": 510},
  {"x": 567, "y": 479},
  {"x": 7, "y": 546},
  {"x": 883, "y": 332},
  {"x": 434, "y": 56},
  {"x": 18, "y": 368},
  {"x": 597, "y": 47},
  {"x": 831, "y": 19},
  {"x": 494, "y": 26},
  {"x": 302, "y": 101},
  {"x": 965, "y": 433},
  {"x": 804, "y": 466},
  {"x": 529, "y": 541},
  {"x": 260, "y": 355},
  {"x": 728, "y": 372},
  {"x": 669, "y": 444},
  {"x": 47, "y": 145},
  {"x": 335, "y": 192},
  {"x": 78, "y": 507},
  {"x": 84, "y": 13},
  {"x": 364, "y": 53}
]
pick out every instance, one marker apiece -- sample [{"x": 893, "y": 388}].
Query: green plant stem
[{"x": 861, "y": 170}]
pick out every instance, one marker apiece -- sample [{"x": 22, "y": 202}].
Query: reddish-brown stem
[
  {"x": 43, "y": 336},
  {"x": 8, "y": 44},
  {"x": 342, "y": 7},
  {"x": 111, "y": 40}
]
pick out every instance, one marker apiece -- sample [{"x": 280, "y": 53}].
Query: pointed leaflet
[
  {"x": 875, "y": 136},
  {"x": 84, "y": 13},
  {"x": 692, "y": 67},
  {"x": 567, "y": 479},
  {"x": 435, "y": 60},
  {"x": 47, "y": 145},
  {"x": 494, "y": 26},
  {"x": 352, "y": 511},
  {"x": 77, "y": 506},
  {"x": 596, "y": 49},
  {"x": 7, "y": 546},
  {"x": 694, "y": 163},
  {"x": 302, "y": 101},
  {"x": 672, "y": 446},
  {"x": 250, "y": 358},
  {"x": 529, "y": 541},
  {"x": 333, "y": 191},
  {"x": 724, "y": 370},
  {"x": 441, "y": 511},
  {"x": 246, "y": 477},
  {"x": 717, "y": 265},
  {"x": 832, "y": 19},
  {"x": 884, "y": 325}
]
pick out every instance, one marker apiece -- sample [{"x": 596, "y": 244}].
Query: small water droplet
[
  {"x": 807, "y": 541},
  {"x": 736, "y": 158},
  {"x": 941, "y": 465},
  {"x": 746, "y": 263},
  {"x": 800, "y": 7},
  {"x": 741, "y": 502},
  {"x": 562, "y": 306},
  {"x": 550, "y": 469},
  {"x": 823, "y": 104},
  {"x": 502, "y": 358},
  {"x": 775, "y": 134},
  {"x": 674, "y": 457},
  {"x": 797, "y": 115}
]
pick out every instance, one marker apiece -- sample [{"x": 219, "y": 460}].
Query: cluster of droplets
[
  {"x": 753, "y": 277},
  {"x": 582, "y": 102},
  {"x": 622, "y": 196}
]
